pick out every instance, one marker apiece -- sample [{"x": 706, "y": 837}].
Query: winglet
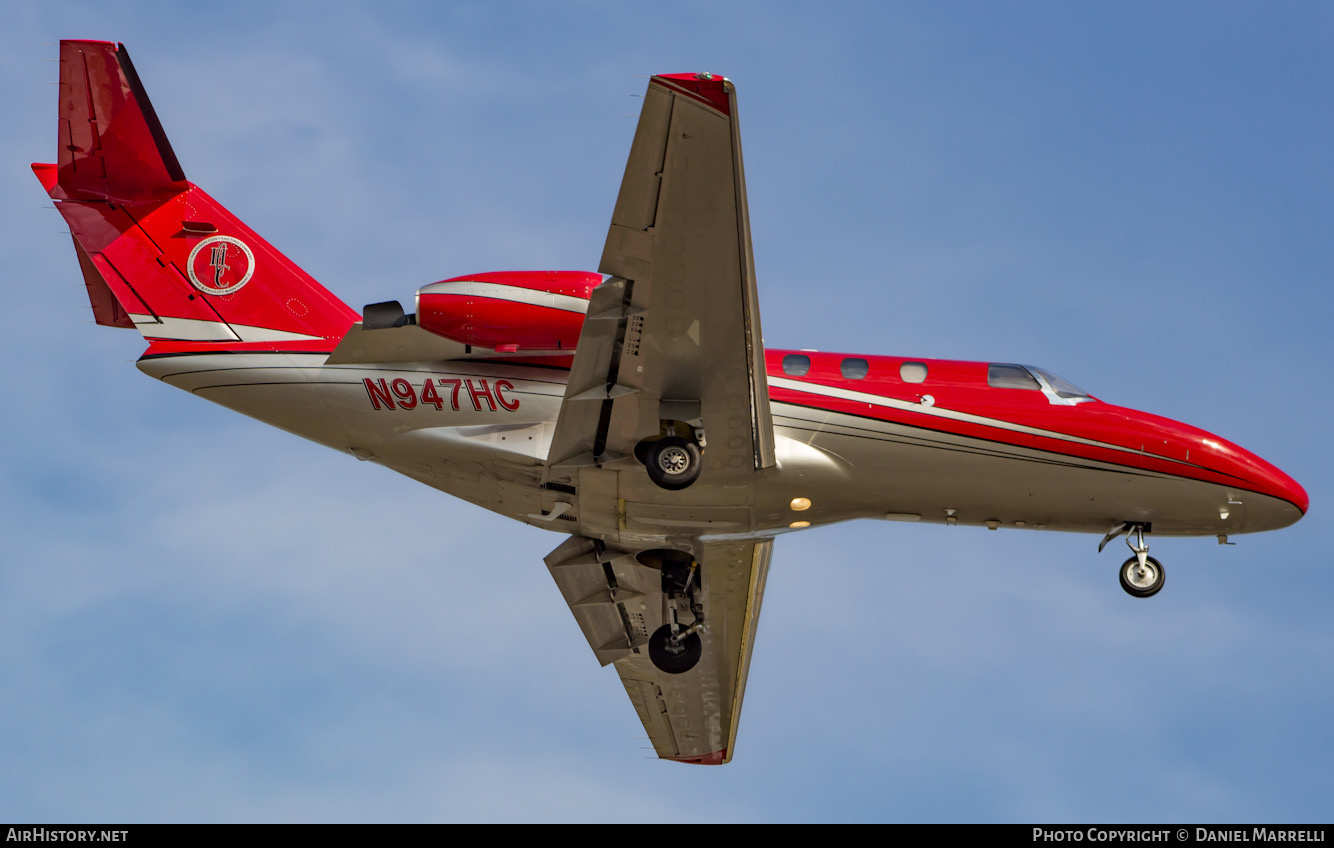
[
  {"x": 717, "y": 758},
  {"x": 709, "y": 89}
]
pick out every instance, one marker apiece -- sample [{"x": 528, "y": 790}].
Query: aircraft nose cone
[
  {"x": 1287, "y": 501},
  {"x": 1282, "y": 500},
  {"x": 1255, "y": 494}
]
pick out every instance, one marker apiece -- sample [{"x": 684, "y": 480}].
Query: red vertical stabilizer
[{"x": 157, "y": 252}]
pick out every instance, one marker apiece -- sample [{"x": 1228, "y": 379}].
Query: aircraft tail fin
[{"x": 157, "y": 252}]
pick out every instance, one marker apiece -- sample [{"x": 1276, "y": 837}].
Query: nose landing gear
[
  {"x": 1142, "y": 579},
  {"x": 1141, "y": 576}
]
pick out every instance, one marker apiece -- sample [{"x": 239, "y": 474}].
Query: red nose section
[
  {"x": 1268, "y": 479},
  {"x": 1238, "y": 467},
  {"x": 1186, "y": 451}
]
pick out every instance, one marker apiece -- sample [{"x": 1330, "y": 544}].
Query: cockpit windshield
[
  {"x": 1059, "y": 391},
  {"x": 1063, "y": 388}
]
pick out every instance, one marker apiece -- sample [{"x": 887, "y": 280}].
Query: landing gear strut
[
  {"x": 1141, "y": 576},
  {"x": 675, "y": 647}
]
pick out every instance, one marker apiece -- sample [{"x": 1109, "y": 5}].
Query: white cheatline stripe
[
  {"x": 513, "y": 294},
  {"x": 264, "y": 334},
  {"x": 165, "y": 366},
  {"x": 937, "y": 412},
  {"x": 198, "y": 330},
  {"x": 790, "y": 415},
  {"x": 184, "y": 329}
]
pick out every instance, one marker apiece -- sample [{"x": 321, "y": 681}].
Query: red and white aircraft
[{"x": 637, "y": 412}]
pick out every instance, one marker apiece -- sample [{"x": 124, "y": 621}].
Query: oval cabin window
[
  {"x": 796, "y": 364},
  {"x": 913, "y": 372},
  {"x": 855, "y": 369}
]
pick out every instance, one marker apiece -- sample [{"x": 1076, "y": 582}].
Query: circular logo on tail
[{"x": 220, "y": 265}]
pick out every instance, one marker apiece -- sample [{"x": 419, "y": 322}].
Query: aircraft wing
[
  {"x": 675, "y": 333},
  {"x": 672, "y": 336},
  {"x": 690, "y": 717}
]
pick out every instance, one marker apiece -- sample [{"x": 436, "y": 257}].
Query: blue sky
[{"x": 204, "y": 619}]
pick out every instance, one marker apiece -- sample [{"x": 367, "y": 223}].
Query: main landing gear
[
  {"x": 676, "y": 647},
  {"x": 1141, "y": 576},
  {"x": 673, "y": 461}
]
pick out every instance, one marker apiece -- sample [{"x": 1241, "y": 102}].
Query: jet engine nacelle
[{"x": 509, "y": 310}]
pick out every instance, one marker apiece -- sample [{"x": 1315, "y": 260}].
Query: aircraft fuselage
[{"x": 946, "y": 449}]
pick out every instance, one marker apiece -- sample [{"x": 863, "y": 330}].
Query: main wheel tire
[
  {"x": 1142, "y": 583},
  {"x": 674, "y": 658},
  {"x": 673, "y": 462}
]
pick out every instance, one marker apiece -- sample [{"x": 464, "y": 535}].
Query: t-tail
[{"x": 157, "y": 252}]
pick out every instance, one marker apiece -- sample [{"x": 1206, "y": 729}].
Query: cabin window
[
  {"x": 912, "y": 372},
  {"x": 1011, "y": 377},
  {"x": 796, "y": 364},
  {"x": 855, "y": 369}
]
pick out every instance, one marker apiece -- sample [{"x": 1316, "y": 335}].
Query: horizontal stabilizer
[{"x": 106, "y": 307}]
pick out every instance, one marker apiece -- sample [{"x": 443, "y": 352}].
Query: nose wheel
[
  {"x": 1142, "y": 576},
  {"x": 1142, "y": 579}
]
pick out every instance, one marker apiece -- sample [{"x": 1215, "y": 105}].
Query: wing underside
[
  {"x": 675, "y": 333},
  {"x": 671, "y": 344},
  {"x": 617, "y": 601}
]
